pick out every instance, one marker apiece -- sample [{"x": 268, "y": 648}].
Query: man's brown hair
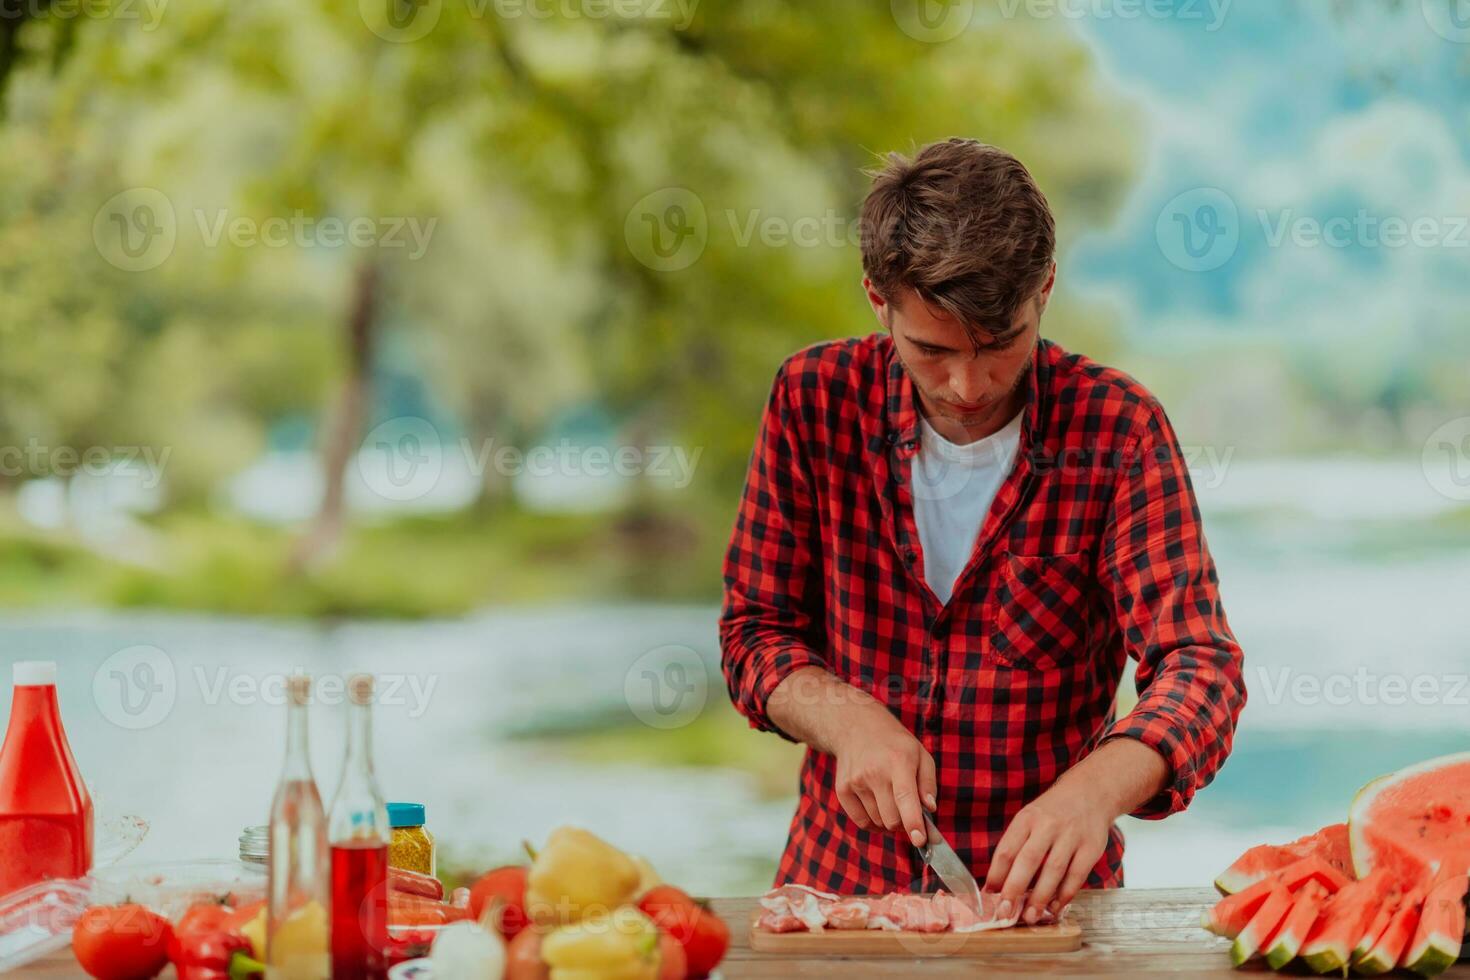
[{"x": 964, "y": 226}]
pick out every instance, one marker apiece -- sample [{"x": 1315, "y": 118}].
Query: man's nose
[{"x": 968, "y": 382}]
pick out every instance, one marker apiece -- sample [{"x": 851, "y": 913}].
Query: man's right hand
[{"x": 884, "y": 775}]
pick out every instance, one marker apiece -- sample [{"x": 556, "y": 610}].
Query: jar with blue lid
[{"x": 411, "y": 846}]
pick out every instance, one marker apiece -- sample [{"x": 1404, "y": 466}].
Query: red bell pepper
[{"x": 207, "y": 955}]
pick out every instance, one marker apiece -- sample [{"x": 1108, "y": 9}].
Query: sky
[{"x": 1307, "y": 176}]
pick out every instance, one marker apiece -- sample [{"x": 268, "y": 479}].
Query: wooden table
[{"x": 1127, "y": 932}]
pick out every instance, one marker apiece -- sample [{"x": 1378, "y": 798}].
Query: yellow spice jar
[{"x": 411, "y": 846}]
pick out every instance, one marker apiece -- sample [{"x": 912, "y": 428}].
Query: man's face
[{"x": 972, "y": 390}]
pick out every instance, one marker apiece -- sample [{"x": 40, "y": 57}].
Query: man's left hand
[{"x": 1057, "y": 838}]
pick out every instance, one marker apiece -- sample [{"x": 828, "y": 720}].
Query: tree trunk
[{"x": 345, "y": 427}]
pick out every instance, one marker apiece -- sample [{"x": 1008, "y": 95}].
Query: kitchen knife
[{"x": 947, "y": 865}]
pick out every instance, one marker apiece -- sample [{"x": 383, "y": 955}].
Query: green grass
[{"x": 405, "y": 569}]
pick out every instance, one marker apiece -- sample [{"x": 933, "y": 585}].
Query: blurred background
[{"x": 429, "y": 337}]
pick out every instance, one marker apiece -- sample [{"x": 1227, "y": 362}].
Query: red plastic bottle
[{"x": 45, "y": 811}]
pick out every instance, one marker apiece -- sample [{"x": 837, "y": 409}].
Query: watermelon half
[
  {"x": 1415, "y": 823},
  {"x": 1390, "y": 946},
  {"x": 1329, "y": 945},
  {"x": 1330, "y": 844},
  {"x": 1288, "y": 940},
  {"x": 1437, "y": 941}
]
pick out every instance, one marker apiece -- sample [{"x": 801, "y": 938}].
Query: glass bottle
[
  {"x": 299, "y": 887},
  {"x": 359, "y": 833}
]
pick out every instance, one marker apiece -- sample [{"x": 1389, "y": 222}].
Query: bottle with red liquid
[
  {"x": 45, "y": 810},
  {"x": 359, "y": 833}
]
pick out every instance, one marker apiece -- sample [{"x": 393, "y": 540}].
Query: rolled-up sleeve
[
  {"x": 1164, "y": 593},
  {"x": 773, "y": 596}
]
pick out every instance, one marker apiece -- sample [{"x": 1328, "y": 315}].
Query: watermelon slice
[
  {"x": 1305, "y": 909},
  {"x": 1415, "y": 822},
  {"x": 1329, "y": 946},
  {"x": 1330, "y": 844},
  {"x": 1377, "y": 922},
  {"x": 1231, "y": 913},
  {"x": 1262, "y": 927},
  {"x": 1390, "y": 946},
  {"x": 1436, "y": 944}
]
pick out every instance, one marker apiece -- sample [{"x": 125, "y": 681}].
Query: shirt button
[
  {"x": 932, "y": 724},
  {"x": 910, "y": 556}
]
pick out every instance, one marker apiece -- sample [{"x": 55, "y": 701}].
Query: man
[{"x": 953, "y": 535}]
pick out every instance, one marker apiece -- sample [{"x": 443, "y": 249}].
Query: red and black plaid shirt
[{"x": 1092, "y": 553}]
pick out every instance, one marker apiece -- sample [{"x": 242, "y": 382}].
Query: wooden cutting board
[{"x": 1062, "y": 937}]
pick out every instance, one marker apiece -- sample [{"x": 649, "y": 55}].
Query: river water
[{"x": 1353, "y": 620}]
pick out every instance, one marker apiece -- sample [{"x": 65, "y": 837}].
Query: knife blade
[{"x": 947, "y": 865}]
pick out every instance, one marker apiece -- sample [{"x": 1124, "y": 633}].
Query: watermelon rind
[
  {"x": 1363, "y": 802},
  {"x": 1262, "y": 927},
  {"x": 1298, "y": 923},
  {"x": 1438, "y": 940},
  {"x": 1388, "y": 947}
]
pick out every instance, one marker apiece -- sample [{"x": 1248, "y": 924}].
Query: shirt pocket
[{"x": 1040, "y": 611}]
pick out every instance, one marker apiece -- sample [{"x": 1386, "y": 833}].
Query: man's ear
[
  {"x": 1045, "y": 294},
  {"x": 880, "y": 305}
]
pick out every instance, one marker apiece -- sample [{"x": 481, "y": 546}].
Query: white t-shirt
[{"x": 954, "y": 487}]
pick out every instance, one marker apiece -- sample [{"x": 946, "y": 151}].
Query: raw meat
[{"x": 791, "y": 908}]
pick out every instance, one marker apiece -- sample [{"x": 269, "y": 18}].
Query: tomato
[
  {"x": 121, "y": 942},
  {"x": 509, "y": 885},
  {"x": 523, "y": 957},
  {"x": 704, "y": 935},
  {"x": 673, "y": 963}
]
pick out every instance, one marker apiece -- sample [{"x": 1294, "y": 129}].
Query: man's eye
[{"x": 929, "y": 351}]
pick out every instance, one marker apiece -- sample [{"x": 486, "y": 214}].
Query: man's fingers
[
  {"x": 853, "y": 806},
  {"x": 1004, "y": 855},
  {"x": 875, "y": 816},
  {"x": 907, "y": 798},
  {"x": 1024, "y": 868},
  {"x": 888, "y": 808},
  {"x": 1076, "y": 878},
  {"x": 1058, "y": 860},
  {"x": 928, "y": 781}
]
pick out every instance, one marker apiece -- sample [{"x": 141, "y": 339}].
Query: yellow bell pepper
[
  {"x": 648, "y": 878},
  {"x": 577, "y": 874},
  {"x": 617, "y": 945}
]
